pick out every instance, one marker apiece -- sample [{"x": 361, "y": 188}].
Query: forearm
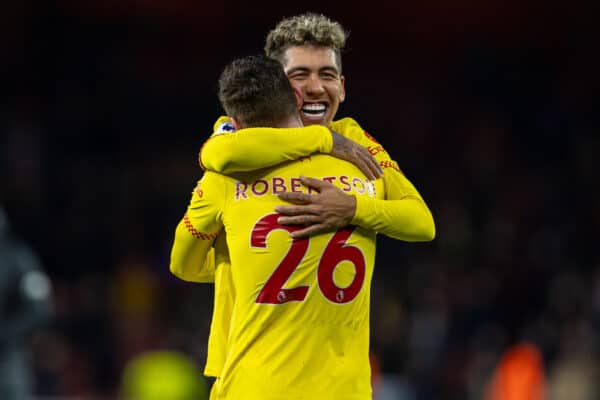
[
  {"x": 192, "y": 256},
  {"x": 406, "y": 219},
  {"x": 255, "y": 148},
  {"x": 403, "y": 215}
]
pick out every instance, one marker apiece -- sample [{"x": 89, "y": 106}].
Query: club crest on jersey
[{"x": 225, "y": 127}]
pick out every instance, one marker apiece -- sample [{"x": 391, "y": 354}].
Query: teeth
[{"x": 314, "y": 108}]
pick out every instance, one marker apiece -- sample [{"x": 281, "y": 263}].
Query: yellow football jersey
[
  {"x": 300, "y": 322},
  {"x": 403, "y": 215},
  {"x": 227, "y": 152}
]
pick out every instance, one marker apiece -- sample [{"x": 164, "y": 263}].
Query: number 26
[{"x": 335, "y": 252}]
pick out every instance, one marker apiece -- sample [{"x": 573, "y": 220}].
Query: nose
[{"x": 314, "y": 85}]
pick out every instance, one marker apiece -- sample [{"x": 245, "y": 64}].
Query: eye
[
  {"x": 329, "y": 75},
  {"x": 298, "y": 75}
]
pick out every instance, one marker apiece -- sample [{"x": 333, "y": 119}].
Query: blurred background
[{"x": 488, "y": 107}]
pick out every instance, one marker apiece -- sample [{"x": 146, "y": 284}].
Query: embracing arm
[
  {"x": 254, "y": 148},
  {"x": 192, "y": 254},
  {"x": 228, "y": 151},
  {"x": 403, "y": 215}
]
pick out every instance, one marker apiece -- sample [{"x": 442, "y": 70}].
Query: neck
[{"x": 293, "y": 121}]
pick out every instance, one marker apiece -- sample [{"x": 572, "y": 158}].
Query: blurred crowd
[{"x": 497, "y": 128}]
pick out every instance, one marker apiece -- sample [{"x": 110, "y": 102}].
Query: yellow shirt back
[{"x": 300, "y": 323}]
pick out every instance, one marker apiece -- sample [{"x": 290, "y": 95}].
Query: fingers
[
  {"x": 299, "y": 220},
  {"x": 309, "y": 231},
  {"x": 364, "y": 166},
  {"x": 295, "y": 198},
  {"x": 314, "y": 183},
  {"x": 353, "y": 152},
  {"x": 376, "y": 167},
  {"x": 295, "y": 210},
  {"x": 304, "y": 198},
  {"x": 372, "y": 168},
  {"x": 366, "y": 162}
]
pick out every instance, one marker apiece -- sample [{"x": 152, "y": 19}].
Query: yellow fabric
[
  {"x": 224, "y": 297},
  {"x": 307, "y": 348},
  {"x": 403, "y": 215},
  {"x": 254, "y": 148},
  {"x": 192, "y": 258}
]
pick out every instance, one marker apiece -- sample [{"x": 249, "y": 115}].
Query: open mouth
[{"x": 314, "y": 110}]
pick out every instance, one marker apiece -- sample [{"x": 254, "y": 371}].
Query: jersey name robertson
[{"x": 279, "y": 184}]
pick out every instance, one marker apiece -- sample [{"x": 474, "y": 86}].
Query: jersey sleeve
[
  {"x": 192, "y": 254},
  {"x": 228, "y": 151},
  {"x": 403, "y": 214}
]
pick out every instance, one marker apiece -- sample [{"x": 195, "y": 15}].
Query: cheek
[
  {"x": 298, "y": 86},
  {"x": 335, "y": 92}
]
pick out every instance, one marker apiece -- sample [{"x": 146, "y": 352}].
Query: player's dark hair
[{"x": 255, "y": 91}]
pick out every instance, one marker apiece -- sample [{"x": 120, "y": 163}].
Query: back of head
[
  {"x": 256, "y": 92},
  {"x": 306, "y": 29}
]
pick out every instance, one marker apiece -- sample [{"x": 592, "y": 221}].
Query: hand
[
  {"x": 325, "y": 211},
  {"x": 358, "y": 155}
]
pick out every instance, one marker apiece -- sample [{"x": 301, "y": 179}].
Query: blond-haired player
[
  {"x": 309, "y": 47},
  {"x": 300, "y": 320}
]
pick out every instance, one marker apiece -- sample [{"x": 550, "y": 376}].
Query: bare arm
[{"x": 348, "y": 150}]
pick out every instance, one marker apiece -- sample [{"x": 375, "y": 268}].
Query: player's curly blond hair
[{"x": 306, "y": 29}]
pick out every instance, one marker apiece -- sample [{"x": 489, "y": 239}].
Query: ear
[
  {"x": 342, "y": 89},
  {"x": 299, "y": 99},
  {"x": 236, "y": 124}
]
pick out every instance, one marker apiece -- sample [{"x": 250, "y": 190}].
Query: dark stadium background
[{"x": 490, "y": 108}]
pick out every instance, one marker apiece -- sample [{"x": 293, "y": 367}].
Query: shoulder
[
  {"x": 214, "y": 178},
  {"x": 223, "y": 125},
  {"x": 210, "y": 184},
  {"x": 351, "y": 129}
]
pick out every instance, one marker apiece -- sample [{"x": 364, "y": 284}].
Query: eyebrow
[
  {"x": 298, "y": 69},
  {"x": 306, "y": 69}
]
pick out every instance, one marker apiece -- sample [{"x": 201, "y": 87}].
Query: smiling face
[{"x": 314, "y": 72}]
